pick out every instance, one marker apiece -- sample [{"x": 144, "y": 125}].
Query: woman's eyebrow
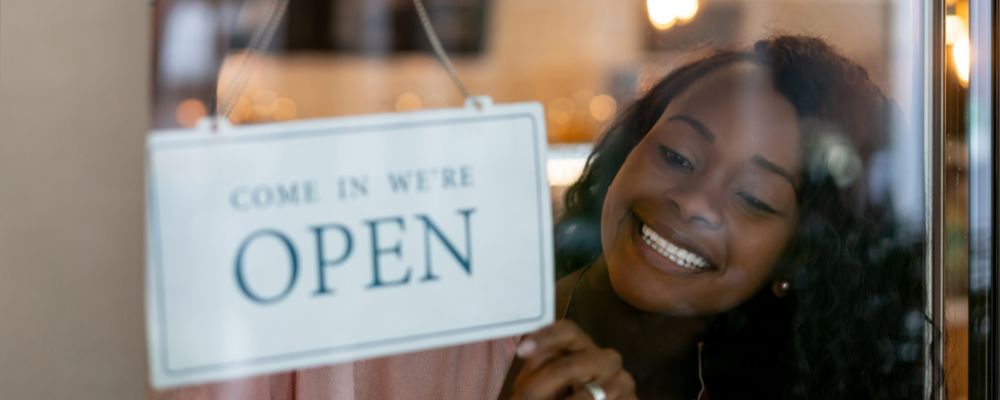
[
  {"x": 762, "y": 162},
  {"x": 696, "y": 124}
]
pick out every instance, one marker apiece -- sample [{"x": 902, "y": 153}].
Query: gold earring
[{"x": 781, "y": 288}]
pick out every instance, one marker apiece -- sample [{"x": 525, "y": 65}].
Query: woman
[{"x": 724, "y": 242}]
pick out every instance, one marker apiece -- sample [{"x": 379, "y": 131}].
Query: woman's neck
[{"x": 660, "y": 351}]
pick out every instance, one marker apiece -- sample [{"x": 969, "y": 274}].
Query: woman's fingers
[
  {"x": 602, "y": 366},
  {"x": 561, "y": 337},
  {"x": 561, "y": 358}
]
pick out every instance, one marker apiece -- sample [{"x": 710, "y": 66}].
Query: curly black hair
[{"x": 853, "y": 325}]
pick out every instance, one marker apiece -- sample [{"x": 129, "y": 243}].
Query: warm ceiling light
[
  {"x": 686, "y": 9},
  {"x": 961, "y": 55},
  {"x": 956, "y": 35},
  {"x": 661, "y": 13},
  {"x": 954, "y": 27}
]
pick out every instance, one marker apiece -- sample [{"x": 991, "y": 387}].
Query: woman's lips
[{"x": 667, "y": 256}]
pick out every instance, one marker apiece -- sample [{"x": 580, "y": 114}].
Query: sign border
[{"x": 313, "y": 132}]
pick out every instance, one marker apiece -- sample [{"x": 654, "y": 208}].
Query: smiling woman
[
  {"x": 724, "y": 241},
  {"x": 699, "y": 190}
]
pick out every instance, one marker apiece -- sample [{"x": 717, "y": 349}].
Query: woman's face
[{"x": 699, "y": 213}]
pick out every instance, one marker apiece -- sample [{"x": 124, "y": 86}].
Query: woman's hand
[{"x": 559, "y": 360}]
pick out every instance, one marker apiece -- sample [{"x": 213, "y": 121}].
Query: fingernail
[{"x": 526, "y": 347}]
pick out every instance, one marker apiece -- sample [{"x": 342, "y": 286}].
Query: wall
[{"x": 73, "y": 118}]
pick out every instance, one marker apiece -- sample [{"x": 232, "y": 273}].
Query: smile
[{"x": 684, "y": 258}]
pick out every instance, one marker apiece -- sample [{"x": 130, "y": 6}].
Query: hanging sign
[{"x": 291, "y": 245}]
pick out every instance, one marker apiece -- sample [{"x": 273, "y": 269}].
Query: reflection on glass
[{"x": 762, "y": 206}]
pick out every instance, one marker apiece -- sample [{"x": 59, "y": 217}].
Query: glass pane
[
  {"x": 969, "y": 289},
  {"x": 738, "y": 186},
  {"x": 956, "y": 200}
]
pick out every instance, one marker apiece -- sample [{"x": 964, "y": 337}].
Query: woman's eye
[
  {"x": 756, "y": 203},
  {"x": 675, "y": 159}
]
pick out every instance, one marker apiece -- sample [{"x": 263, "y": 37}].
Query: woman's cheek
[
  {"x": 754, "y": 257},
  {"x": 739, "y": 285},
  {"x": 759, "y": 240}
]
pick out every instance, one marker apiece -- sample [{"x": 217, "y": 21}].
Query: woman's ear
[{"x": 781, "y": 287}]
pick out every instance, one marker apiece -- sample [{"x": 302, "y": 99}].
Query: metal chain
[
  {"x": 425, "y": 21},
  {"x": 258, "y": 43}
]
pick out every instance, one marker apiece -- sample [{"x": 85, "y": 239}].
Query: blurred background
[
  {"x": 82, "y": 83},
  {"x": 582, "y": 59}
]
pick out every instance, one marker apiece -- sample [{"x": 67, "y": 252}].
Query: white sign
[{"x": 292, "y": 245}]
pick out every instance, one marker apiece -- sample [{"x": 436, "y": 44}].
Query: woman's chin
[{"x": 637, "y": 294}]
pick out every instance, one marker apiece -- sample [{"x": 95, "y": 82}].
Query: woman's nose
[{"x": 698, "y": 206}]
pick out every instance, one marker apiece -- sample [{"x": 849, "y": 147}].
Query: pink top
[{"x": 473, "y": 371}]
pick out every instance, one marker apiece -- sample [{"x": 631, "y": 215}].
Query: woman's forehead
[
  {"x": 742, "y": 94},
  {"x": 740, "y": 107},
  {"x": 742, "y": 83}
]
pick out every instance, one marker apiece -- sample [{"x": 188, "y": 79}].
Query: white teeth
[{"x": 678, "y": 255}]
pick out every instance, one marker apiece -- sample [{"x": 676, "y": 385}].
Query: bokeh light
[
  {"x": 189, "y": 112},
  {"x": 409, "y": 101},
  {"x": 285, "y": 109},
  {"x": 603, "y": 107},
  {"x": 561, "y": 110},
  {"x": 664, "y": 14},
  {"x": 957, "y": 36},
  {"x": 961, "y": 55}
]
